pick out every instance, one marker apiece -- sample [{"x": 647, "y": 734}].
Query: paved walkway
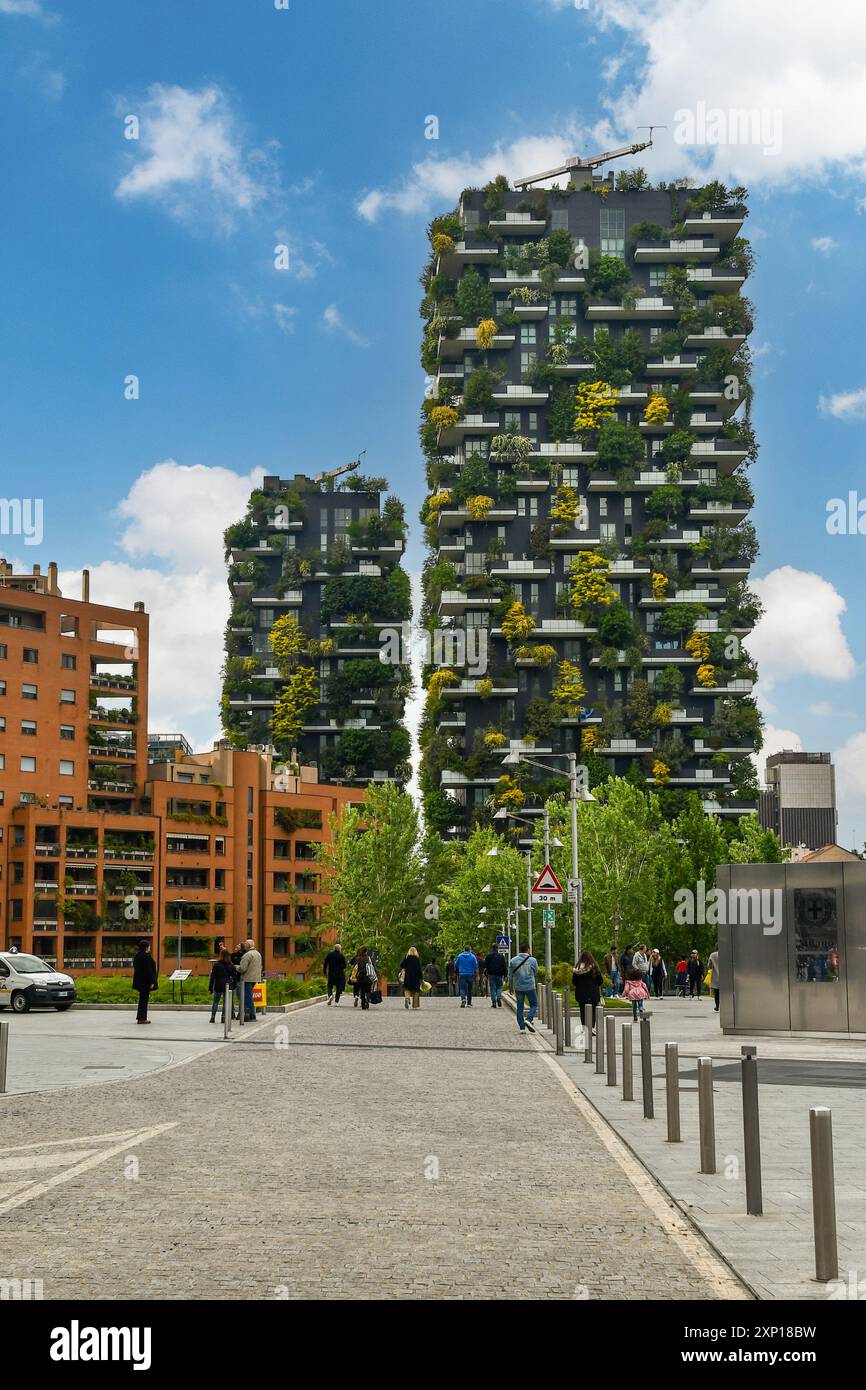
[
  {"x": 338, "y": 1154},
  {"x": 773, "y": 1252}
]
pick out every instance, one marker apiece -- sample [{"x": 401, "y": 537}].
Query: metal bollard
[
  {"x": 625, "y": 1033},
  {"x": 542, "y": 1004},
  {"x": 706, "y": 1116},
  {"x": 557, "y": 1024},
  {"x": 227, "y": 1011},
  {"x": 599, "y": 1040},
  {"x": 566, "y": 1017},
  {"x": 646, "y": 1067},
  {"x": 672, "y": 1092},
  {"x": 610, "y": 1047},
  {"x": 587, "y": 1034},
  {"x": 751, "y": 1131},
  {"x": 242, "y": 1005},
  {"x": 4, "y": 1055},
  {"x": 551, "y": 1015},
  {"x": 823, "y": 1194}
]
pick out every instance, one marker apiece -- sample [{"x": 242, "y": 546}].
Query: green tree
[
  {"x": 375, "y": 874},
  {"x": 474, "y": 298},
  {"x": 461, "y": 921},
  {"x": 754, "y": 845}
]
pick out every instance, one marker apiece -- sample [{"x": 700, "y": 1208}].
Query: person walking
[
  {"x": 586, "y": 981},
  {"x": 522, "y": 974},
  {"x": 250, "y": 970},
  {"x": 334, "y": 966},
  {"x": 658, "y": 972},
  {"x": 145, "y": 979},
  {"x": 715, "y": 976},
  {"x": 695, "y": 971},
  {"x": 480, "y": 976},
  {"x": 495, "y": 969},
  {"x": 432, "y": 975},
  {"x": 223, "y": 976},
  {"x": 237, "y": 957},
  {"x": 451, "y": 976},
  {"x": 467, "y": 968},
  {"x": 611, "y": 969},
  {"x": 411, "y": 976},
  {"x": 640, "y": 961},
  {"x": 363, "y": 977},
  {"x": 682, "y": 977},
  {"x": 635, "y": 990}
]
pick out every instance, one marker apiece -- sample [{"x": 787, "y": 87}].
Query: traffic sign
[
  {"x": 547, "y": 887},
  {"x": 575, "y": 886},
  {"x": 549, "y": 919}
]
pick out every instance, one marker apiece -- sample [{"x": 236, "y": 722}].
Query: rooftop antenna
[{"x": 582, "y": 165}]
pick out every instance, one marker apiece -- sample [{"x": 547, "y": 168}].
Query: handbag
[
  {"x": 353, "y": 978},
  {"x": 426, "y": 986},
  {"x": 707, "y": 979},
  {"x": 376, "y": 996},
  {"x": 401, "y": 976}
]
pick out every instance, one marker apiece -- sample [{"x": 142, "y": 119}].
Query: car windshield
[{"x": 29, "y": 965}]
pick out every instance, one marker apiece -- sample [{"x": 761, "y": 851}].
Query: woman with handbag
[
  {"x": 411, "y": 978},
  {"x": 364, "y": 977}
]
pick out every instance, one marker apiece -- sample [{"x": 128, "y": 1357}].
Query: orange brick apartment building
[{"x": 214, "y": 846}]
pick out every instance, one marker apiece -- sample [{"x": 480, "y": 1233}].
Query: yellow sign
[{"x": 260, "y": 994}]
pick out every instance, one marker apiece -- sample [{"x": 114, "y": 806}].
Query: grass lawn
[{"x": 117, "y": 989}]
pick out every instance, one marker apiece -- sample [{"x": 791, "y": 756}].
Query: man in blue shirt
[
  {"x": 522, "y": 971},
  {"x": 467, "y": 969}
]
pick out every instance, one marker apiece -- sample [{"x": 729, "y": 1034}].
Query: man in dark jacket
[
  {"x": 144, "y": 979},
  {"x": 335, "y": 973},
  {"x": 695, "y": 968},
  {"x": 495, "y": 968}
]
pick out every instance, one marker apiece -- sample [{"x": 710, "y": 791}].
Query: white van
[{"x": 26, "y": 981}]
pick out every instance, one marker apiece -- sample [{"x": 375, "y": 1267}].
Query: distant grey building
[{"x": 800, "y": 800}]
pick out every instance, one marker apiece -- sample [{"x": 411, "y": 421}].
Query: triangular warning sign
[{"x": 547, "y": 882}]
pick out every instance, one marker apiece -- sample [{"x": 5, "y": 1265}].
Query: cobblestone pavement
[{"x": 337, "y": 1154}]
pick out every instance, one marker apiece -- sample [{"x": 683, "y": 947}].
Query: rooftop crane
[
  {"x": 329, "y": 475},
  {"x": 574, "y": 166}
]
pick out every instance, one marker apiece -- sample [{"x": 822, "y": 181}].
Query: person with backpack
[
  {"x": 410, "y": 977},
  {"x": 635, "y": 991},
  {"x": 586, "y": 980},
  {"x": 522, "y": 973},
  {"x": 495, "y": 969},
  {"x": 223, "y": 976},
  {"x": 467, "y": 968},
  {"x": 682, "y": 977}
]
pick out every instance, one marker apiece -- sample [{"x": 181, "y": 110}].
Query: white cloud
[
  {"x": 823, "y": 709},
  {"x": 824, "y": 244},
  {"x": 850, "y": 764},
  {"x": 771, "y": 57},
  {"x": 435, "y": 182},
  {"x": 800, "y": 632},
  {"x": 305, "y": 259},
  {"x": 335, "y": 323},
  {"x": 844, "y": 405},
  {"x": 175, "y": 517},
  {"x": 192, "y": 156},
  {"x": 284, "y": 316},
  {"x": 22, "y": 7}
]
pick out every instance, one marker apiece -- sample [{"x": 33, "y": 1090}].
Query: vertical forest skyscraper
[{"x": 587, "y": 439}]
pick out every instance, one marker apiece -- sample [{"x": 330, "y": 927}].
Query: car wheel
[
  {"x": 61, "y": 1008},
  {"x": 20, "y": 1003}
]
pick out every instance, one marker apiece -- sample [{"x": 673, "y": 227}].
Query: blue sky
[{"x": 306, "y": 127}]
